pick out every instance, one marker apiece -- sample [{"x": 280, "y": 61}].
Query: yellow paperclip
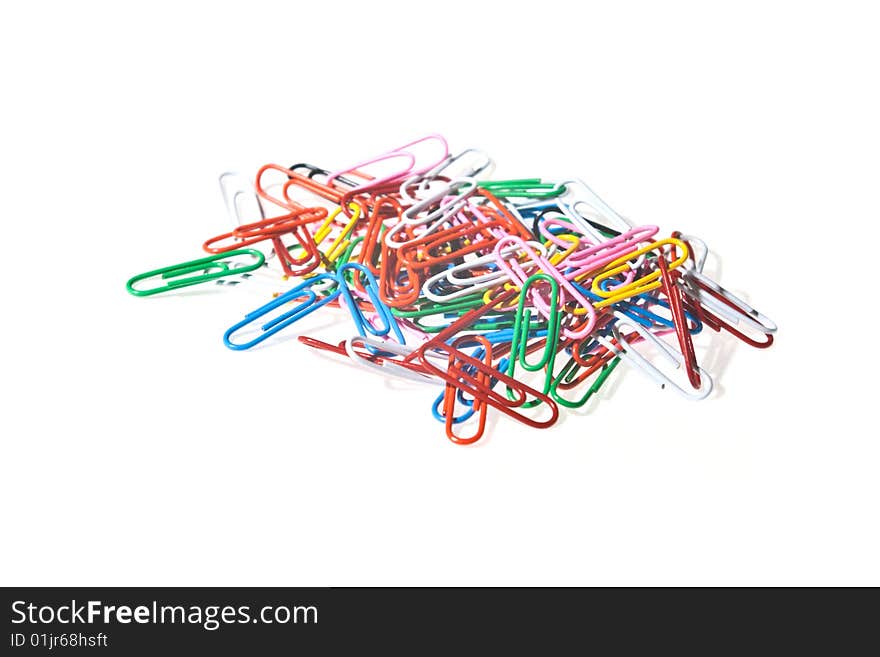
[
  {"x": 640, "y": 285},
  {"x": 487, "y": 297},
  {"x": 321, "y": 234},
  {"x": 556, "y": 258}
]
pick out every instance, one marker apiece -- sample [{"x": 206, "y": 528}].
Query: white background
[{"x": 138, "y": 450}]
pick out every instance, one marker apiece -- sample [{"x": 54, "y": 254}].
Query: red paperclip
[
  {"x": 399, "y": 285},
  {"x": 310, "y": 184},
  {"x": 340, "y": 350},
  {"x": 673, "y": 293},
  {"x": 450, "y": 244},
  {"x": 451, "y": 393},
  {"x": 478, "y": 389}
]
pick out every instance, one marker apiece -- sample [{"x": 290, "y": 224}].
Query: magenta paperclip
[{"x": 518, "y": 275}]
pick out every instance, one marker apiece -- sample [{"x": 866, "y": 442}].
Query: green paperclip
[
  {"x": 213, "y": 267},
  {"x": 462, "y": 304},
  {"x": 568, "y": 372},
  {"x": 519, "y": 343},
  {"x": 523, "y": 188}
]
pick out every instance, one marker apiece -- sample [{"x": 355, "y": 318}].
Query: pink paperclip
[
  {"x": 497, "y": 232},
  {"x": 375, "y": 182},
  {"x": 512, "y": 268},
  {"x": 400, "y": 151},
  {"x": 596, "y": 256},
  {"x": 434, "y": 163}
]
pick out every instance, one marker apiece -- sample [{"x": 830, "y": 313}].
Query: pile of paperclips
[{"x": 517, "y": 295}]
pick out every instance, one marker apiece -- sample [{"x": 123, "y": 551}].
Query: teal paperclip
[{"x": 212, "y": 268}]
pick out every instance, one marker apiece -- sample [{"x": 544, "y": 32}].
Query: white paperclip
[
  {"x": 472, "y": 284},
  {"x": 237, "y": 191},
  {"x": 634, "y": 358},
  {"x": 742, "y": 314}
]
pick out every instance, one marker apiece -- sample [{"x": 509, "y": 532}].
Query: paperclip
[
  {"x": 626, "y": 351},
  {"x": 397, "y": 153},
  {"x": 371, "y": 182},
  {"x": 604, "y": 365},
  {"x": 273, "y": 326},
  {"x": 478, "y": 406},
  {"x": 371, "y": 247},
  {"x": 314, "y": 172},
  {"x": 389, "y": 323},
  {"x": 402, "y": 369},
  {"x": 520, "y": 337},
  {"x": 595, "y": 256},
  {"x": 449, "y": 200},
  {"x": 321, "y": 192},
  {"x": 339, "y": 243},
  {"x": 673, "y": 293},
  {"x": 265, "y": 229},
  {"x": 392, "y": 291},
  {"x": 642, "y": 284},
  {"x": 450, "y": 244},
  {"x": 469, "y": 318},
  {"x": 472, "y": 284},
  {"x": 491, "y": 205},
  {"x": 592, "y": 199},
  {"x": 723, "y": 302},
  {"x": 532, "y": 188},
  {"x": 517, "y": 274},
  {"x": 215, "y": 266},
  {"x": 233, "y": 194},
  {"x": 472, "y": 171},
  {"x": 262, "y": 189},
  {"x": 477, "y": 385},
  {"x": 699, "y": 259}
]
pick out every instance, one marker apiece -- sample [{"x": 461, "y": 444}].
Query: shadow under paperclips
[
  {"x": 604, "y": 394},
  {"x": 613, "y": 383},
  {"x": 719, "y": 350},
  {"x": 565, "y": 413},
  {"x": 468, "y": 427},
  {"x": 397, "y": 384},
  {"x": 719, "y": 353},
  {"x": 189, "y": 292}
]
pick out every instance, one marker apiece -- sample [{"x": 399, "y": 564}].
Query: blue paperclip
[
  {"x": 389, "y": 324},
  {"x": 273, "y": 326},
  {"x": 698, "y": 325}
]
